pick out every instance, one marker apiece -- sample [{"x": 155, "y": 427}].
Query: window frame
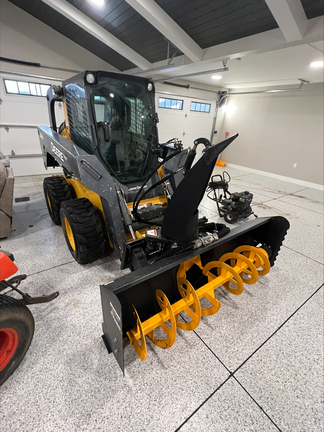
[
  {"x": 28, "y": 83},
  {"x": 170, "y": 107},
  {"x": 200, "y": 103}
]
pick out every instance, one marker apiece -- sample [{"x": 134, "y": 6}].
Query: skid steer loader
[{"x": 123, "y": 189}]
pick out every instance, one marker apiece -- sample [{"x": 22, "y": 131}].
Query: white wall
[
  {"x": 276, "y": 131},
  {"x": 23, "y": 37}
]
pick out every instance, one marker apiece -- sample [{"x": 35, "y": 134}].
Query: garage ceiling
[{"x": 275, "y": 46}]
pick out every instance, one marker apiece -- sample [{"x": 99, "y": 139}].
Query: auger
[{"x": 246, "y": 264}]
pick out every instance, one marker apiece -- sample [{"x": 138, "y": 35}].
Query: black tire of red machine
[{"x": 16, "y": 333}]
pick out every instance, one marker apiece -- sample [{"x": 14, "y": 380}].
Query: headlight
[
  {"x": 90, "y": 78},
  {"x": 149, "y": 87}
]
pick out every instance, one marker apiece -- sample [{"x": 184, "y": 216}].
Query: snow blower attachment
[
  {"x": 172, "y": 293},
  {"x": 122, "y": 189}
]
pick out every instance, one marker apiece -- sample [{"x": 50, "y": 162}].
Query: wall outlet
[{"x": 295, "y": 165}]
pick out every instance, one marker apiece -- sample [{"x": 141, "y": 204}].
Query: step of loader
[{"x": 135, "y": 305}]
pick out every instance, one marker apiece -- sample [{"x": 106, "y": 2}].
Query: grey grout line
[
  {"x": 239, "y": 176},
  {"x": 60, "y": 265},
  {"x": 264, "y": 412},
  {"x": 270, "y": 199},
  {"x": 202, "y": 404},
  {"x": 293, "y": 250},
  {"x": 263, "y": 343},
  {"x": 285, "y": 202},
  {"x": 29, "y": 211},
  {"x": 295, "y": 205}
]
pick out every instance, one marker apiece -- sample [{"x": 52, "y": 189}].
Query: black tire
[
  {"x": 230, "y": 217},
  {"x": 16, "y": 327},
  {"x": 82, "y": 230},
  {"x": 56, "y": 191}
]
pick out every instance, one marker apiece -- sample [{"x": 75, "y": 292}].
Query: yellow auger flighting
[{"x": 246, "y": 264}]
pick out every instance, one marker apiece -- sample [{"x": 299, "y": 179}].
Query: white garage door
[
  {"x": 19, "y": 114},
  {"x": 185, "y": 124}
]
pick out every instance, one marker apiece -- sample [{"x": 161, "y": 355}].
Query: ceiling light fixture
[
  {"x": 274, "y": 91},
  {"x": 317, "y": 64},
  {"x": 216, "y": 77},
  {"x": 98, "y": 2}
]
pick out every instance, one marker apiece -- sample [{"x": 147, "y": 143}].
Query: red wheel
[
  {"x": 8, "y": 345},
  {"x": 16, "y": 333}
]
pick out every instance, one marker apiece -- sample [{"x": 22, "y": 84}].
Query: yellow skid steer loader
[{"x": 123, "y": 189}]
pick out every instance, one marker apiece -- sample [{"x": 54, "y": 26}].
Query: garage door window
[
  {"x": 200, "y": 107},
  {"x": 25, "y": 88},
  {"x": 170, "y": 103}
]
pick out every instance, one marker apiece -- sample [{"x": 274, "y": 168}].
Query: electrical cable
[{"x": 137, "y": 200}]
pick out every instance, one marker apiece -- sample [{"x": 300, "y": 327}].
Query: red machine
[{"x": 16, "y": 321}]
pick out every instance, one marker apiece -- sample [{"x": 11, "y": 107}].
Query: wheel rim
[
  {"x": 48, "y": 202},
  {"x": 69, "y": 233},
  {"x": 8, "y": 345}
]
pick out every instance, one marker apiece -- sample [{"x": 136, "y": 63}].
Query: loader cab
[
  {"x": 112, "y": 116},
  {"x": 125, "y": 122}
]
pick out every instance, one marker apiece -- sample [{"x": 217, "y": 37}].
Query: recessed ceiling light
[
  {"x": 98, "y": 2},
  {"x": 318, "y": 64},
  {"x": 273, "y": 91},
  {"x": 216, "y": 77}
]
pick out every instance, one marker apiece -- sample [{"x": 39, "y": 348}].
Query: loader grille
[{"x": 78, "y": 117}]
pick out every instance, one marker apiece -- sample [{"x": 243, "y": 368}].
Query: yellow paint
[
  {"x": 156, "y": 200},
  {"x": 69, "y": 233},
  {"x": 83, "y": 192},
  {"x": 160, "y": 172},
  {"x": 241, "y": 265},
  {"x": 48, "y": 201},
  {"x": 66, "y": 131},
  {"x": 139, "y": 234},
  {"x": 66, "y": 134}
]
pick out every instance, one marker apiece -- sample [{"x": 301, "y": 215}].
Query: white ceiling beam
[
  {"x": 98, "y": 32},
  {"x": 268, "y": 41},
  {"x": 156, "y": 16},
  {"x": 290, "y": 17}
]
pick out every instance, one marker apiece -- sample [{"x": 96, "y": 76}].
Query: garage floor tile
[
  {"x": 229, "y": 410},
  {"x": 306, "y": 233},
  {"x": 310, "y": 199},
  {"x": 270, "y": 184},
  {"x": 286, "y": 375},
  {"x": 36, "y": 242},
  {"x": 33, "y": 191}
]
